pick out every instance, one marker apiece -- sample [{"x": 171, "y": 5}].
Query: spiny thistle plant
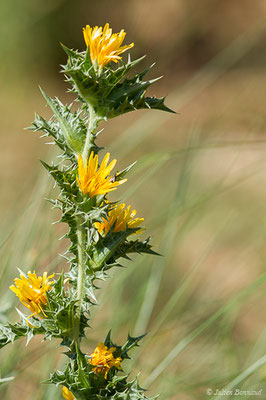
[{"x": 101, "y": 231}]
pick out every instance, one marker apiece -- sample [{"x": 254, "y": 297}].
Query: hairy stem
[
  {"x": 89, "y": 142},
  {"x": 80, "y": 283},
  {"x": 90, "y": 137}
]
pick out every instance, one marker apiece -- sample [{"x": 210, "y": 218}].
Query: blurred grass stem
[
  {"x": 244, "y": 375},
  {"x": 201, "y": 328}
]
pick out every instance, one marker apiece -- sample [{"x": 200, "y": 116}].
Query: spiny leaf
[
  {"x": 71, "y": 126},
  {"x": 111, "y": 94}
]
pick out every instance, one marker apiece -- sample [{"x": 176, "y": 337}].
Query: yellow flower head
[
  {"x": 94, "y": 180},
  {"x": 67, "y": 394},
  {"x": 104, "y": 359},
  {"x": 104, "y": 45},
  {"x": 31, "y": 291},
  {"x": 119, "y": 218}
]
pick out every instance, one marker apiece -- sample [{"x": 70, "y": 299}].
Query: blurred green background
[{"x": 200, "y": 183}]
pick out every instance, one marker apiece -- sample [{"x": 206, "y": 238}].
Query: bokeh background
[{"x": 200, "y": 183}]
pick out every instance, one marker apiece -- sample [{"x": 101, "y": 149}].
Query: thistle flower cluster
[{"x": 101, "y": 232}]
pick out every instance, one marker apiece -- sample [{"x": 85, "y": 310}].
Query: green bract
[
  {"x": 103, "y": 93},
  {"x": 110, "y": 94}
]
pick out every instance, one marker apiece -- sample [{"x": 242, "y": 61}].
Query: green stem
[
  {"x": 81, "y": 241},
  {"x": 90, "y": 137},
  {"x": 80, "y": 283}
]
